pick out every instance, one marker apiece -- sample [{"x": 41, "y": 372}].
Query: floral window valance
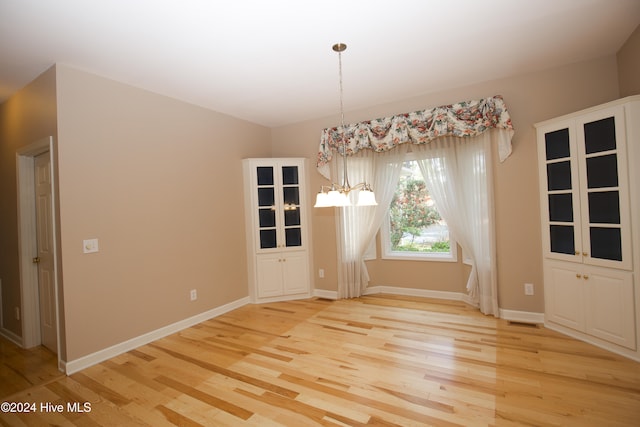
[{"x": 464, "y": 119}]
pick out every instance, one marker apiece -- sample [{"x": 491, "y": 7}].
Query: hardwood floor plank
[
  {"x": 99, "y": 388},
  {"x": 249, "y": 350},
  {"x": 206, "y": 398},
  {"x": 135, "y": 373},
  {"x": 422, "y": 401},
  {"x": 176, "y": 418}
]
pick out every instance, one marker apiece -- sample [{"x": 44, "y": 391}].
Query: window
[{"x": 414, "y": 228}]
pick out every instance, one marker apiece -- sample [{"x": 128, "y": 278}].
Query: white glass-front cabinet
[
  {"x": 589, "y": 189},
  {"x": 277, "y": 235}
]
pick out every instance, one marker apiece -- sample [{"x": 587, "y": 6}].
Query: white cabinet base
[
  {"x": 282, "y": 274},
  {"x": 591, "y": 300}
]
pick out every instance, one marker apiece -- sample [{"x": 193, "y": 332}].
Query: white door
[{"x": 44, "y": 258}]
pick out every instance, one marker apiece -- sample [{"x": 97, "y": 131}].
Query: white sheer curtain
[
  {"x": 458, "y": 173},
  {"x": 357, "y": 225}
]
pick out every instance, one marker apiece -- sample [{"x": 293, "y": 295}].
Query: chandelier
[{"x": 338, "y": 194}]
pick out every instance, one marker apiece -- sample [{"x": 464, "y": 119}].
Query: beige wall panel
[
  {"x": 159, "y": 183},
  {"x": 629, "y": 65}
]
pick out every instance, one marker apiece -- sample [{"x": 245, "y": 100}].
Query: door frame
[{"x": 27, "y": 241}]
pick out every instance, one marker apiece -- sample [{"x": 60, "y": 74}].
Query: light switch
[{"x": 90, "y": 246}]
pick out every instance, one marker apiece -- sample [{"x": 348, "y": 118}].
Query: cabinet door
[
  {"x": 291, "y": 206},
  {"x": 610, "y": 304},
  {"x": 564, "y": 295},
  {"x": 295, "y": 271},
  {"x": 269, "y": 275},
  {"x": 560, "y": 196},
  {"x": 606, "y": 231},
  {"x": 266, "y": 206}
]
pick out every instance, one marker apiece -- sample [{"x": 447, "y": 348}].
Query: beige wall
[
  {"x": 27, "y": 117},
  {"x": 629, "y": 65},
  {"x": 530, "y": 98},
  {"x": 159, "y": 183}
]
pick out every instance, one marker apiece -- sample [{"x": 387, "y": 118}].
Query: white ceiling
[{"x": 270, "y": 62}]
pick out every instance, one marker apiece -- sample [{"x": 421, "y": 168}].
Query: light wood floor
[
  {"x": 21, "y": 369},
  {"x": 376, "y": 360}
]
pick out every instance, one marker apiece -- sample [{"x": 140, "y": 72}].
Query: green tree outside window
[{"x": 412, "y": 213}]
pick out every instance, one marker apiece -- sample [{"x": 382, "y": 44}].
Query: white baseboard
[
  {"x": 76, "y": 365},
  {"x": 333, "y": 295},
  {"x": 280, "y": 298},
  {"x": 323, "y": 293},
  {"x": 522, "y": 316},
  {"x": 4, "y": 332},
  {"x": 17, "y": 340}
]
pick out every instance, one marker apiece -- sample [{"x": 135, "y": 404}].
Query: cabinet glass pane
[
  {"x": 561, "y": 207},
  {"x": 267, "y": 218},
  {"x": 600, "y": 135},
  {"x": 602, "y": 171},
  {"x": 291, "y": 217},
  {"x": 265, "y": 175},
  {"x": 562, "y": 240},
  {"x": 268, "y": 239},
  {"x": 604, "y": 207},
  {"x": 293, "y": 237},
  {"x": 266, "y": 197},
  {"x": 289, "y": 175},
  {"x": 559, "y": 176},
  {"x": 606, "y": 243},
  {"x": 291, "y": 195},
  {"x": 557, "y": 144}
]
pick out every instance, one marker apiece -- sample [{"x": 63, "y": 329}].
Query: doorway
[{"x": 37, "y": 246}]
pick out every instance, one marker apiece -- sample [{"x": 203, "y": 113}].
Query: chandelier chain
[
  {"x": 341, "y": 90},
  {"x": 345, "y": 175}
]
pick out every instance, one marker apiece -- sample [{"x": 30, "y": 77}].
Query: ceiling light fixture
[{"x": 338, "y": 194}]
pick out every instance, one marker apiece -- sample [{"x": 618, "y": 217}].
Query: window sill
[{"x": 401, "y": 256}]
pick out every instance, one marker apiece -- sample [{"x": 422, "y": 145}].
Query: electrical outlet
[
  {"x": 321, "y": 273},
  {"x": 193, "y": 295},
  {"x": 528, "y": 288},
  {"x": 90, "y": 246}
]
